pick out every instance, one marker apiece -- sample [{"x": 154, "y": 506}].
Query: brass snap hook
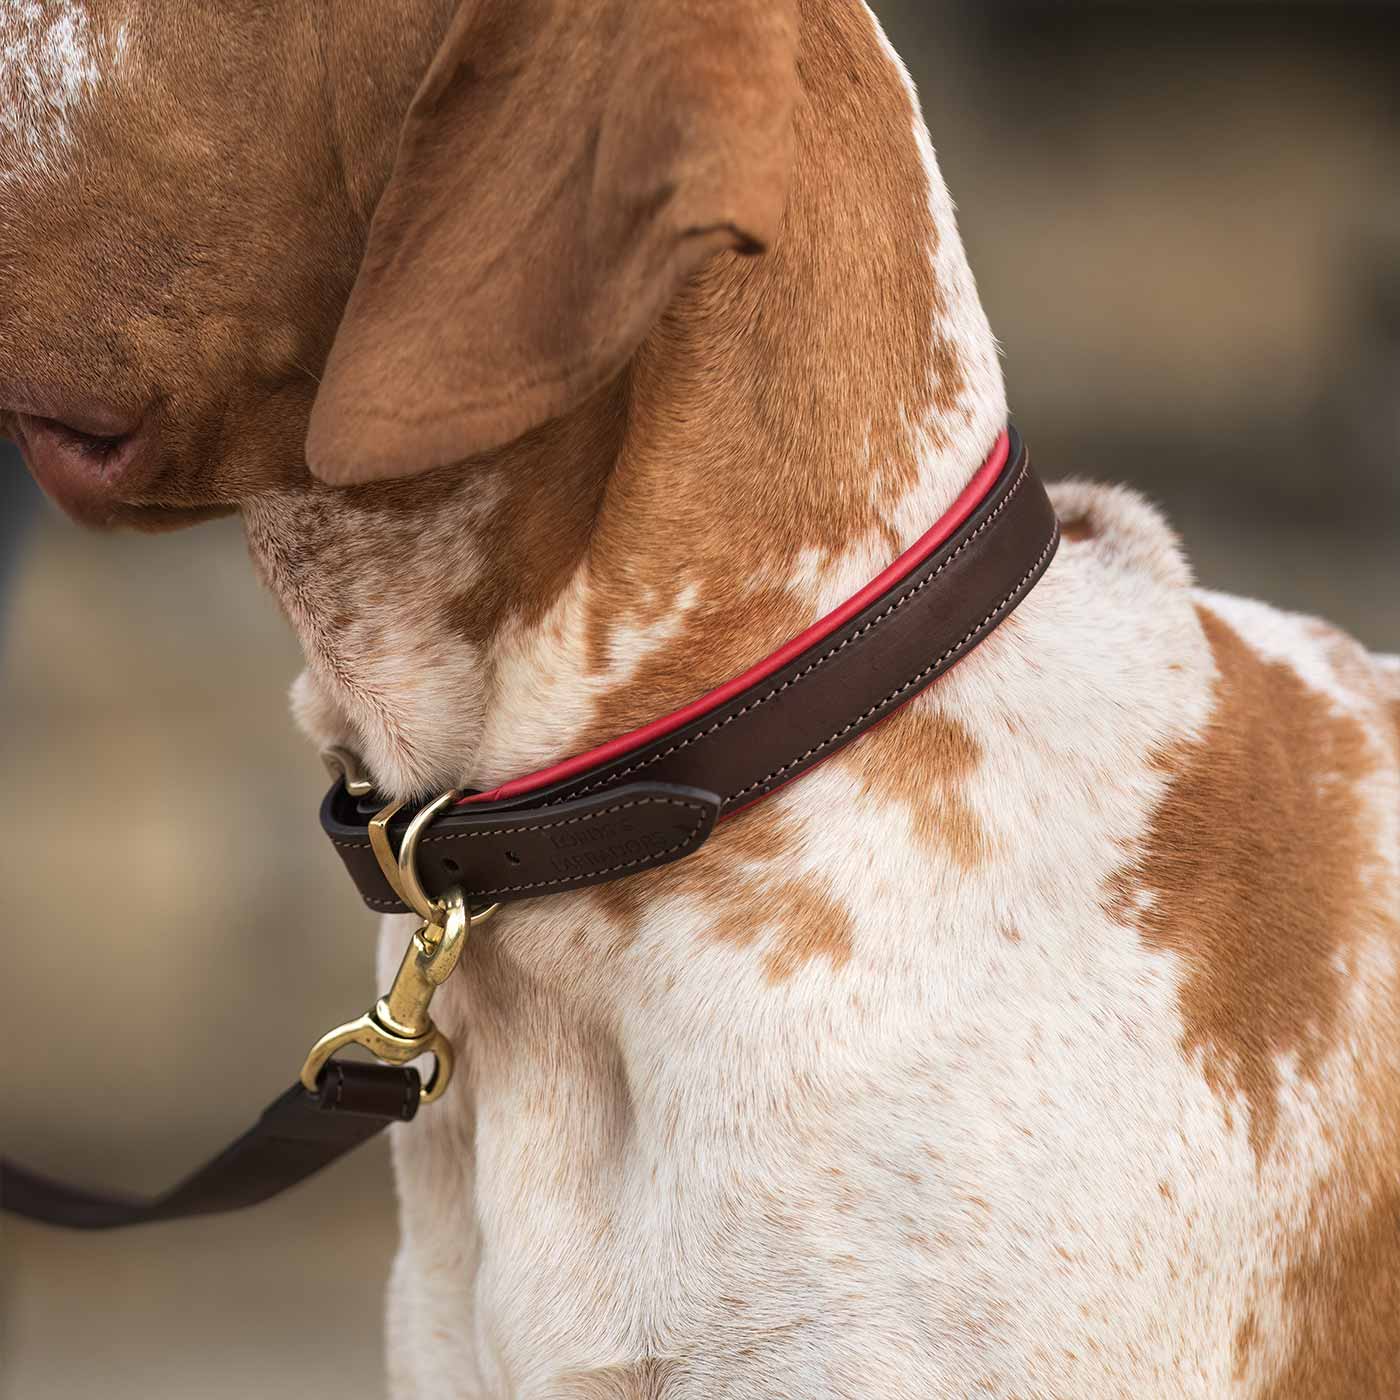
[{"x": 397, "y": 1028}]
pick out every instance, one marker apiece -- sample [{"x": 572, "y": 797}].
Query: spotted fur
[{"x": 1041, "y": 1044}]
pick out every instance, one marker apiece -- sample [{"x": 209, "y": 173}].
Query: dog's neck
[{"x": 793, "y": 423}]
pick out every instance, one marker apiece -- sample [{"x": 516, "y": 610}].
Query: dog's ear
[{"x": 564, "y": 168}]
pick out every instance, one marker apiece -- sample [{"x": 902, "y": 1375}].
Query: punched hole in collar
[
  {"x": 451, "y": 866},
  {"x": 513, "y": 857}
]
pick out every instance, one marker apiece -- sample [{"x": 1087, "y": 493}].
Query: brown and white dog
[{"x": 1046, "y": 1043}]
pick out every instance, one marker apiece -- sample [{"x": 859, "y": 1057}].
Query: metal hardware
[
  {"x": 384, "y": 851},
  {"x": 401, "y": 868},
  {"x": 410, "y": 888},
  {"x": 347, "y": 765},
  {"x": 397, "y": 1028}
]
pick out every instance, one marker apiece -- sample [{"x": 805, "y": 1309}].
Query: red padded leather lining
[{"x": 972, "y": 496}]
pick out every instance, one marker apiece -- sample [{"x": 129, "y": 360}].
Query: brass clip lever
[{"x": 397, "y": 1027}]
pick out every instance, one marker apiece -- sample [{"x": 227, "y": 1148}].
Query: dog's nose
[{"x": 86, "y": 455}]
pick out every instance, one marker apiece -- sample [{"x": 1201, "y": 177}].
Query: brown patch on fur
[
  {"x": 757, "y": 619},
  {"x": 1344, "y": 1299},
  {"x": 462, "y": 616},
  {"x": 1246, "y": 1339},
  {"x": 1341, "y": 1292},
  {"x": 733, "y": 878},
  {"x": 1255, "y": 868},
  {"x": 922, "y": 759},
  {"x": 809, "y": 924},
  {"x": 1078, "y": 529},
  {"x": 529, "y": 554}
]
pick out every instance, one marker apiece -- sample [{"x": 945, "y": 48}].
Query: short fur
[{"x": 1042, "y": 1044}]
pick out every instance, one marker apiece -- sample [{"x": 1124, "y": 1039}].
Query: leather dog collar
[
  {"x": 654, "y": 795},
  {"x": 641, "y": 801}
]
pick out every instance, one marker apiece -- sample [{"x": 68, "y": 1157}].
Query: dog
[{"x": 1043, "y": 1043}]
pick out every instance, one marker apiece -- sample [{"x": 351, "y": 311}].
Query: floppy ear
[{"x": 564, "y": 168}]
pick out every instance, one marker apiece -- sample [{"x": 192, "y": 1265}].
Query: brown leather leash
[{"x": 639, "y": 802}]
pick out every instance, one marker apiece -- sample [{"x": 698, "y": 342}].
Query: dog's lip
[
  {"x": 86, "y": 454},
  {"x": 79, "y": 413},
  {"x": 105, "y": 452}
]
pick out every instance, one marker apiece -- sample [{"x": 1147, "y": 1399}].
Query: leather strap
[
  {"x": 659, "y": 799},
  {"x": 297, "y": 1135}
]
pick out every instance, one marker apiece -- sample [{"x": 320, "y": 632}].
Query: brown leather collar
[{"x": 654, "y": 796}]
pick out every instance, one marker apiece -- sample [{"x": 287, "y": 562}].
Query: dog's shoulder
[
  {"x": 1137, "y": 569},
  {"x": 1121, "y": 530},
  {"x": 1267, "y": 872}
]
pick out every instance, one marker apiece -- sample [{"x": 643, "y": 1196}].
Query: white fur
[
  {"x": 51, "y": 60},
  {"x": 411, "y": 717}
]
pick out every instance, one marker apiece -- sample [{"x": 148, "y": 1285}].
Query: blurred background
[{"x": 1185, "y": 221}]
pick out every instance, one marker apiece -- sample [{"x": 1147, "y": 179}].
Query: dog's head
[{"x": 379, "y": 236}]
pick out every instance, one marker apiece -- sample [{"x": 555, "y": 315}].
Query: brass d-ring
[
  {"x": 410, "y": 886},
  {"x": 400, "y": 868},
  {"x": 402, "y": 873}
]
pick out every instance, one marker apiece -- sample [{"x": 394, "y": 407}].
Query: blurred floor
[{"x": 146, "y": 678}]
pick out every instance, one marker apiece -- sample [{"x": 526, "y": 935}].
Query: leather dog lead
[
  {"x": 297, "y": 1135},
  {"x": 641, "y": 801}
]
